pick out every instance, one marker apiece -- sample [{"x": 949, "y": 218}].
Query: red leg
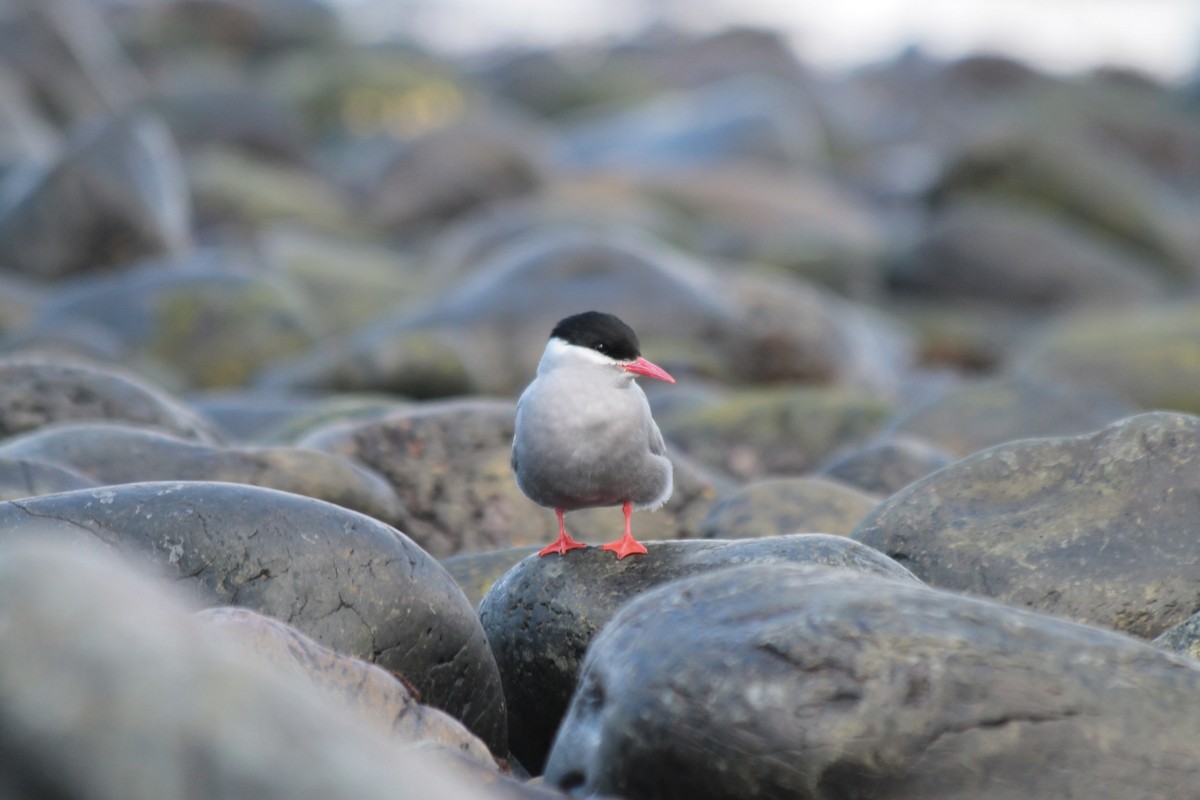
[
  {"x": 626, "y": 545},
  {"x": 564, "y": 542}
]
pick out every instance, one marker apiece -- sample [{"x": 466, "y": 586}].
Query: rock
[
  {"x": 778, "y": 506},
  {"x": 497, "y": 785},
  {"x": 37, "y": 392},
  {"x": 246, "y": 118},
  {"x": 349, "y": 282},
  {"x": 247, "y": 28},
  {"x": 188, "y": 324},
  {"x": 790, "y": 218},
  {"x": 372, "y": 693},
  {"x": 1148, "y": 354},
  {"x": 450, "y": 464},
  {"x": 475, "y": 161},
  {"x": 352, "y": 583},
  {"x": 886, "y": 465},
  {"x": 24, "y": 135},
  {"x": 67, "y": 56},
  {"x": 1011, "y": 255},
  {"x": 756, "y": 432},
  {"x": 364, "y": 97},
  {"x": 21, "y": 477},
  {"x": 1063, "y": 166},
  {"x": 115, "y": 194},
  {"x": 1096, "y": 527},
  {"x": 781, "y": 681},
  {"x": 749, "y": 118},
  {"x": 476, "y": 572},
  {"x": 1183, "y": 638},
  {"x": 981, "y": 413},
  {"x": 485, "y": 334},
  {"x": 108, "y": 453},
  {"x": 234, "y": 188},
  {"x": 542, "y": 614},
  {"x": 110, "y": 688}
]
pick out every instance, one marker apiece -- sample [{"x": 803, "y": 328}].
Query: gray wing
[{"x": 654, "y": 437}]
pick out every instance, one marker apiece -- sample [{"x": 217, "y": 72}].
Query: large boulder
[
  {"x": 205, "y": 321},
  {"x": 542, "y": 614},
  {"x": 115, "y": 194},
  {"x": 110, "y": 688},
  {"x": 777, "y": 506},
  {"x": 352, "y": 583},
  {"x": 1149, "y": 354},
  {"x": 110, "y": 453},
  {"x": 772, "y": 681},
  {"x": 485, "y": 333},
  {"x": 372, "y": 693},
  {"x": 976, "y": 414},
  {"x": 37, "y": 391},
  {"x": 1098, "y": 527}
]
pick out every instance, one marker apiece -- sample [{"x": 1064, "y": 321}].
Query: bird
[{"x": 584, "y": 435}]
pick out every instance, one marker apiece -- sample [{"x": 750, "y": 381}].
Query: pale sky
[{"x": 1161, "y": 37}]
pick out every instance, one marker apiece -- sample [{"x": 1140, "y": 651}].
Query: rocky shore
[{"x": 268, "y": 295}]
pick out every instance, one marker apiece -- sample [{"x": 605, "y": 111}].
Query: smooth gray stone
[
  {"x": 541, "y": 615},
  {"x": 111, "y": 690},
  {"x": 1100, "y": 528},
  {"x": 349, "y": 581},
  {"x": 772, "y": 681}
]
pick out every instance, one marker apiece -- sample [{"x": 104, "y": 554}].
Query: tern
[{"x": 584, "y": 435}]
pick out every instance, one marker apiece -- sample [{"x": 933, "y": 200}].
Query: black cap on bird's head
[
  {"x": 609, "y": 336},
  {"x": 601, "y": 332}
]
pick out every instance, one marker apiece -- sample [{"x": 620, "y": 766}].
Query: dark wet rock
[
  {"x": 20, "y": 477},
  {"x": 782, "y": 681},
  {"x": 745, "y": 118},
  {"x": 372, "y": 693},
  {"x": 37, "y": 392},
  {"x": 1098, "y": 528},
  {"x": 981, "y": 413},
  {"x": 485, "y": 334},
  {"x": 67, "y": 56},
  {"x": 777, "y": 506},
  {"x": 115, "y": 194},
  {"x": 1149, "y": 354},
  {"x": 233, "y": 188},
  {"x": 352, "y": 583},
  {"x": 1012, "y": 255},
  {"x": 110, "y": 453},
  {"x": 110, "y": 688},
  {"x": 476, "y": 572},
  {"x": 753, "y": 433},
  {"x": 1183, "y": 638},
  {"x": 475, "y": 161},
  {"x": 450, "y": 464},
  {"x": 194, "y": 324},
  {"x": 542, "y": 614},
  {"x": 887, "y": 464}
]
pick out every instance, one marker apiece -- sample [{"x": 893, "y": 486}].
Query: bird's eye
[{"x": 602, "y": 347}]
